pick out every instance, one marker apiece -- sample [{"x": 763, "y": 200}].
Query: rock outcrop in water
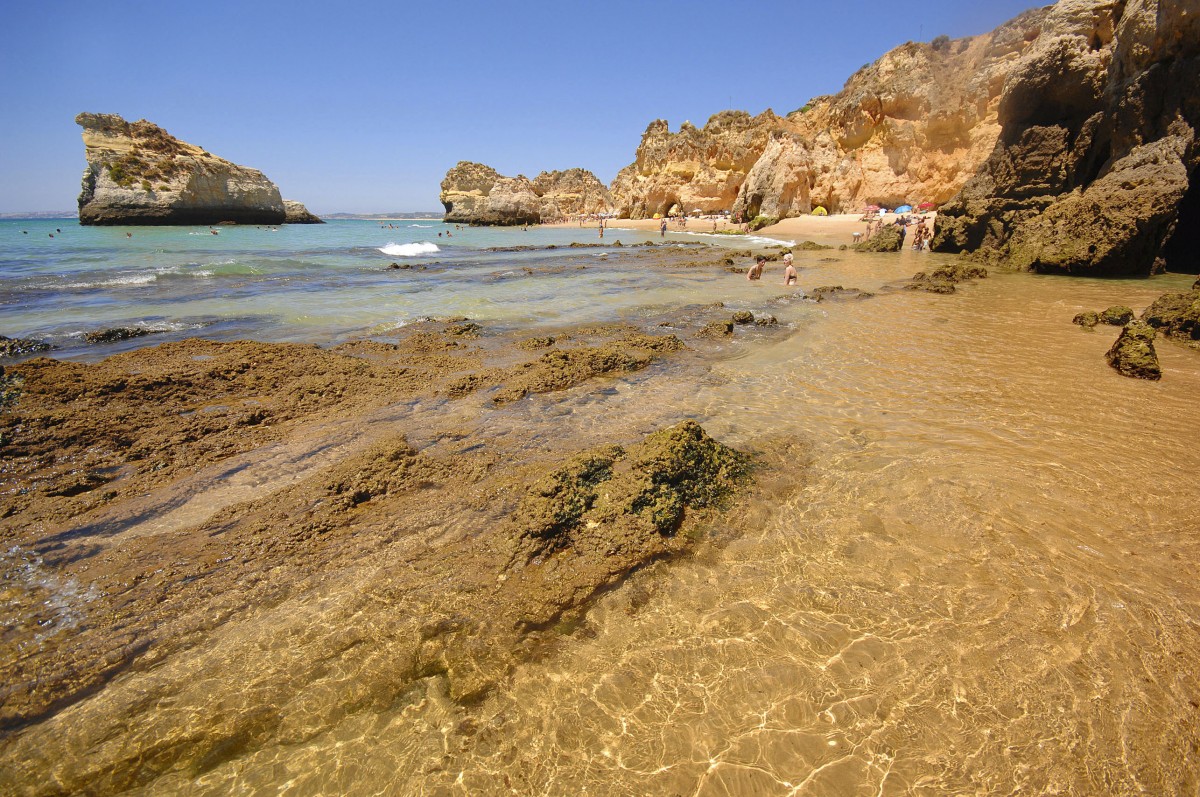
[
  {"x": 1095, "y": 170},
  {"x": 473, "y": 193},
  {"x": 913, "y": 126},
  {"x": 1133, "y": 353},
  {"x": 296, "y": 213},
  {"x": 137, "y": 173}
]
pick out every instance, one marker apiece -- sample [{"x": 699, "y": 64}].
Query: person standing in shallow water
[{"x": 662, "y": 229}]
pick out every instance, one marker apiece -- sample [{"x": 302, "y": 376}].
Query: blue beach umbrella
[{"x": 904, "y": 209}]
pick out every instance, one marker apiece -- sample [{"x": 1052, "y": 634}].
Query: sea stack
[{"x": 137, "y": 173}]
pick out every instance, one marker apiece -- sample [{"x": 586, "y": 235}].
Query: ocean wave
[
  {"x": 409, "y": 250},
  {"x": 113, "y": 282},
  {"x": 422, "y": 226},
  {"x": 758, "y": 240}
]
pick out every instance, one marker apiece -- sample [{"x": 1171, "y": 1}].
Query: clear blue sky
[{"x": 363, "y": 106}]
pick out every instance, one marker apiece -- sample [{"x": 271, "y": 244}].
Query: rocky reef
[
  {"x": 913, "y": 126},
  {"x": 1095, "y": 168},
  {"x": 473, "y": 193},
  {"x": 137, "y": 173}
]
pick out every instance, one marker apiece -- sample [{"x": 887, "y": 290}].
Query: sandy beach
[{"x": 831, "y": 230}]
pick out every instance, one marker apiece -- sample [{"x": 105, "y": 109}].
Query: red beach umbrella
[
  {"x": 872, "y": 207},
  {"x": 926, "y": 206}
]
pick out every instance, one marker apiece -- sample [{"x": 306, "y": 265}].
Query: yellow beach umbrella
[
  {"x": 820, "y": 211},
  {"x": 658, "y": 215}
]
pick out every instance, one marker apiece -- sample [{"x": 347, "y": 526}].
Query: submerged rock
[
  {"x": 825, "y": 292},
  {"x": 1087, "y": 319},
  {"x": 743, "y": 317},
  {"x": 1133, "y": 353},
  {"x": 616, "y": 500},
  {"x": 137, "y": 173},
  {"x": 944, "y": 278},
  {"x": 716, "y": 329}
]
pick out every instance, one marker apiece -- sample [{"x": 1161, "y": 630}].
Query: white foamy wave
[
  {"x": 130, "y": 279},
  {"x": 422, "y": 226},
  {"x": 409, "y": 250}
]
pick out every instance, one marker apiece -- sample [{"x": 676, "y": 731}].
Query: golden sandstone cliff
[
  {"x": 913, "y": 126},
  {"x": 1096, "y": 168},
  {"x": 1064, "y": 141},
  {"x": 137, "y": 173},
  {"x": 476, "y": 194}
]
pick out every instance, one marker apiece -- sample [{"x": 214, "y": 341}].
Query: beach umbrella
[
  {"x": 926, "y": 206},
  {"x": 658, "y": 215},
  {"x": 904, "y": 209},
  {"x": 820, "y": 211}
]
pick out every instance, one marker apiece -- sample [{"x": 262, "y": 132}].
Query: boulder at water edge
[{"x": 1133, "y": 354}]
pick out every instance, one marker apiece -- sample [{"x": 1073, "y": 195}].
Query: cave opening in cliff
[{"x": 1181, "y": 253}]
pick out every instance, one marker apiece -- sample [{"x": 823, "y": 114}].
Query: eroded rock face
[
  {"x": 296, "y": 213},
  {"x": 912, "y": 127},
  {"x": 137, "y": 173},
  {"x": 1095, "y": 169},
  {"x": 473, "y": 193}
]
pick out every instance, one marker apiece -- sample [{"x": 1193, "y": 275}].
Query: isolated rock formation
[
  {"x": 137, "y": 173},
  {"x": 1095, "y": 169},
  {"x": 912, "y": 127},
  {"x": 296, "y": 213},
  {"x": 1133, "y": 353},
  {"x": 473, "y": 193}
]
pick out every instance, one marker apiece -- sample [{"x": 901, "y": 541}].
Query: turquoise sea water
[{"x": 314, "y": 283}]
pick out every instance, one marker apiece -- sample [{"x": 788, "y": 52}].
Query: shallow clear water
[
  {"x": 978, "y": 576},
  {"x": 310, "y": 283}
]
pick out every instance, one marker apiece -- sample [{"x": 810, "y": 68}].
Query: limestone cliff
[
  {"x": 1095, "y": 169},
  {"x": 912, "y": 127},
  {"x": 137, "y": 173},
  {"x": 473, "y": 193},
  {"x": 696, "y": 168}
]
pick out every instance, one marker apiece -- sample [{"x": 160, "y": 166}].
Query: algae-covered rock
[
  {"x": 944, "y": 278},
  {"x": 1087, "y": 319},
  {"x": 743, "y": 317},
  {"x": 1133, "y": 353},
  {"x": 716, "y": 329},
  {"x": 888, "y": 239},
  {"x": 19, "y": 347},
  {"x": 1176, "y": 314},
  {"x": 824, "y": 292},
  {"x": 1117, "y": 315},
  {"x": 766, "y": 321},
  {"x": 115, "y": 334},
  {"x": 616, "y": 499}
]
